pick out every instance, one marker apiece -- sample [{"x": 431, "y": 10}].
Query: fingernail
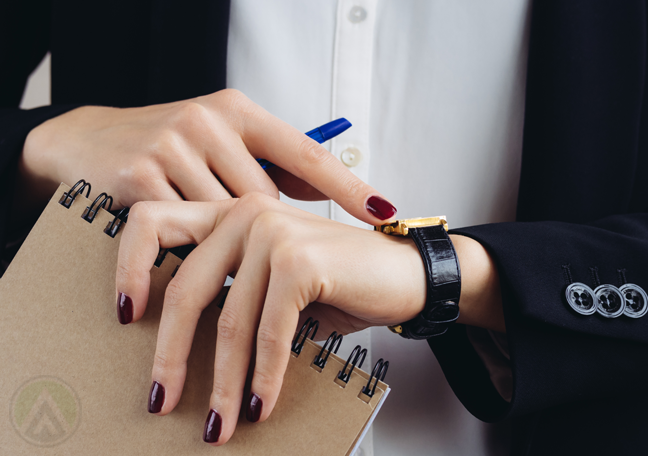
[
  {"x": 212, "y": 427},
  {"x": 156, "y": 398},
  {"x": 253, "y": 412},
  {"x": 380, "y": 208},
  {"x": 124, "y": 309}
]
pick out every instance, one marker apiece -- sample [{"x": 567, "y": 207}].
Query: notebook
[{"x": 75, "y": 382}]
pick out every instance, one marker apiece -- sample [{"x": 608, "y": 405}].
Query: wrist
[{"x": 480, "y": 303}]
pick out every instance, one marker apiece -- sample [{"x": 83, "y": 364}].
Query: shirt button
[
  {"x": 351, "y": 156},
  {"x": 357, "y": 14}
]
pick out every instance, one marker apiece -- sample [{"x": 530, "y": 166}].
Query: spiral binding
[
  {"x": 68, "y": 197},
  {"x": 100, "y": 202},
  {"x": 309, "y": 325},
  {"x": 91, "y": 211},
  {"x": 379, "y": 371},
  {"x": 331, "y": 342},
  {"x": 356, "y": 358},
  {"x": 360, "y": 355},
  {"x": 113, "y": 227}
]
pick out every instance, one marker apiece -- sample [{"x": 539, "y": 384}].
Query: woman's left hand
[{"x": 288, "y": 264}]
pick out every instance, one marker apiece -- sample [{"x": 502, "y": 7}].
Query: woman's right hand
[{"x": 202, "y": 149}]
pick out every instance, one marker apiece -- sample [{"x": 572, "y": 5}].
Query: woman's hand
[
  {"x": 288, "y": 264},
  {"x": 203, "y": 149}
]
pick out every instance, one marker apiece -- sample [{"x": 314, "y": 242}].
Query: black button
[
  {"x": 609, "y": 301},
  {"x": 636, "y": 300},
  {"x": 581, "y": 298}
]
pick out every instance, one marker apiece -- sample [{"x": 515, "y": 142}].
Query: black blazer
[{"x": 579, "y": 382}]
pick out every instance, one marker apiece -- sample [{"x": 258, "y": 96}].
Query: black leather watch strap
[{"x": 443, "y": 278}]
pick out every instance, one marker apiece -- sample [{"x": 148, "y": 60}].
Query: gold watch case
[{"x": 401, "y": 228}]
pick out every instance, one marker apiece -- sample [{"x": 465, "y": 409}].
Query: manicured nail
[
  {"x": 253, "y": 412},
  {"x": 212, "y": 427},
  {"x": 156, "y": 398},
  {"x": 380, "y": 208},
  {"x": 124, "y": 309}
]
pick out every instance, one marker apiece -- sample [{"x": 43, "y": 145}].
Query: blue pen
[{"x": 319, "y": 134}]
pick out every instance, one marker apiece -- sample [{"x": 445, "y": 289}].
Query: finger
[
  {"x": 235, "y": 340},
  {"x": 237, "y": 169},
  {"x": 270, "y": 138},
  {"x": 276, "y": 331},
  {"x": 196, "y": 182},
  {"x": 196, "y": 284},
  {"x": 151, "y": 226},
  {"x": 294, "y": 187}
]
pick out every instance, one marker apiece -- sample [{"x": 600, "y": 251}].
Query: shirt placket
[{"x": 351, "y": 90}]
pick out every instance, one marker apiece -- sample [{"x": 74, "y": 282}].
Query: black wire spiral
[
  {"x": 333, "y": 343},
  {"x": 68, "y": 197},
  {"x": 309, "y": 325},
  {"x": 113, "y": 227},
  {"x": 100, "y": 202},
  {"x": 360, "y": 355},
  {"x": 379, "y": 371}
]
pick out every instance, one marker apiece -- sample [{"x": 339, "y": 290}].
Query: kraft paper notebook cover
[{"x": 75, "y": 382}]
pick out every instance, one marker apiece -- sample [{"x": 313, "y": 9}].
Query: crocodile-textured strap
[{"x": 443, "y": 278}]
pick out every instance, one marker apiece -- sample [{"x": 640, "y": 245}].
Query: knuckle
[
  {"x": 269, "y": 338},
  {"x": 170, "y": 147},
  {"x": 236, "y": 108},
  {"x": 311, "y": 154},
  {"x": 178, "y": 298},
  {"x": 267, "y": 225},
  {"x": 232, "y": 94},
  {"x": 228, "y": 327},
  {"x": 142, "y": 175},
  {"x": 141, "y": 212},
  {"x": 164, "y": 362},
  {"x": 125, "y": 274},
  {"x": 293, "y": 257},
  {"x": 221, "y": 392},
  {"x": 354, "y": 186},
  {"x": 269, "y": 379},
  {"x": 190, "y": 114},
  {"x": 255, "y": 200},
  {"x": 176, "y": 294}
]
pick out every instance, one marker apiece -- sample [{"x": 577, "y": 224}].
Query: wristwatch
[{"x": 442, "y": 274}]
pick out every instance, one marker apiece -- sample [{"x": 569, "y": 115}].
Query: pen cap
[{"x": 329, "y": 130}]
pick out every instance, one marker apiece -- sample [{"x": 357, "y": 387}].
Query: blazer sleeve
[
  {"x": 24, "y": 41},
  {"x": 557, "y": 355}
]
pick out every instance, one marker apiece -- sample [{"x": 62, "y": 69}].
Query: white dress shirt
[{"x": 435, "y": 92}]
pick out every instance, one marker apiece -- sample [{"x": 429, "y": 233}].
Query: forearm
[{"x": 18, "y": 192}]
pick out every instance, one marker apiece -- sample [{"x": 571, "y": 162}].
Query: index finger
[{"x": 268, "y": 137}]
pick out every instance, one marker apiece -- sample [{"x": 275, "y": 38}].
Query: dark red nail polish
[
  {"x": 156, "y": 398},
  {"x": 124, "y": 309},
  {"x": 212, "y": 427},
  {"x": 253, "y": 412},
  {"x": 380, "y": 208}
]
